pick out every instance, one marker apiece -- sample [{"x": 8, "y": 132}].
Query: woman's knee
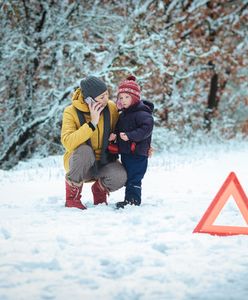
[
  {"x": 113, "y": 176},
  {"x": 81, "y": 162}
]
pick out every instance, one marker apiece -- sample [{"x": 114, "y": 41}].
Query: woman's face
[
  {"x": 125, "y": 99},
  {"x": 103, "y": 98}
]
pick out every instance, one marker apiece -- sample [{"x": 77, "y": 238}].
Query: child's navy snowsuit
[
  {"x": 137, "y": 122},
  {"x": 135, "y": 166}
]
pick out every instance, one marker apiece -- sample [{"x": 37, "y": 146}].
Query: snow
[{"x": 149, "y": 252}]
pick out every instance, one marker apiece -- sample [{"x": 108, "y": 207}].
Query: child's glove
[{"x": 113, "y": 148}]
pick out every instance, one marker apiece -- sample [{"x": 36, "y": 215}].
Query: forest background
[{"x": 189, "y": 56}]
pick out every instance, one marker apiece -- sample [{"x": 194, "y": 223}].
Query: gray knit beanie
[{"x": 92, "y": 87}]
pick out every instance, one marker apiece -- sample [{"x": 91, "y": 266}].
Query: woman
[{"x": 86, "y": 128}]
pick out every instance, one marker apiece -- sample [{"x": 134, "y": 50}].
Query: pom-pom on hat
[
  {"x": 131, "y": 87},
  {"x": 92, "y": 87}
]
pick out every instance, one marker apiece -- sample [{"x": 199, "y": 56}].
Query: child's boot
[{"x": 122, "y": 204}]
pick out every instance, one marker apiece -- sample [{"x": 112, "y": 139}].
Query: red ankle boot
[
  {"x": 73, "y": 195},
  {"x": 99, "y": 193}
]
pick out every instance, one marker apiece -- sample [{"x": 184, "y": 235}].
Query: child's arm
[{"x": 144, "y": 128}]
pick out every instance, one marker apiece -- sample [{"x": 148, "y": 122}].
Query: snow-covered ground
[{"x": 48, "y": 251}]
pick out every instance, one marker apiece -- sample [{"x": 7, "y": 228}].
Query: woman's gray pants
[{"x": 113, "y": 176}]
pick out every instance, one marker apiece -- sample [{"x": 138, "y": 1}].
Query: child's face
[{"x": 125, "y": 99}]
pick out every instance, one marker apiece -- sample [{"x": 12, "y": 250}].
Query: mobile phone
[{"x": 89, "y": 100}]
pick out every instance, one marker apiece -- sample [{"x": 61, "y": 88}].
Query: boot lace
[{"x": 75, "y": 192}]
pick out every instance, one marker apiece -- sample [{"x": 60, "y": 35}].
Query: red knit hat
[{"x": 131, "y": 87}]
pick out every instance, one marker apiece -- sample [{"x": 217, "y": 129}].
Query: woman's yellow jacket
[{"x": 73, "y": 135}]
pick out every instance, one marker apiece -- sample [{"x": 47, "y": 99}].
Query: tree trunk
[{"x": 212, "y": 102}]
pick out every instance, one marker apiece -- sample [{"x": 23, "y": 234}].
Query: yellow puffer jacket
[{"x": 73, "y": 135}]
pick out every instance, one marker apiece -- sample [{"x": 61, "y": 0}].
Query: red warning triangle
[{"x": 230, "y": 187}]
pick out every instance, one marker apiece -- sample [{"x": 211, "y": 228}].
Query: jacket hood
[
  {"x": 149, "y": 104},
  {"x": 78, "y": 101}
]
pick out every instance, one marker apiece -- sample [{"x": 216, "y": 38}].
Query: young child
[{"x": 133, "y": 133}]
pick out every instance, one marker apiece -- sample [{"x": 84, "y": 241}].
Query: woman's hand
[
  {"x": 124, "y": 137},
  {"x": 95, "y": 111},
  {"x": 112, "y": 137}
]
